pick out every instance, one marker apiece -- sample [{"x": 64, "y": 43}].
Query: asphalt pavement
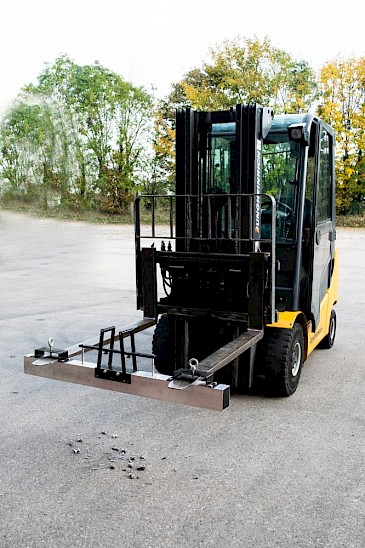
[{"x": 263, "y": 473}]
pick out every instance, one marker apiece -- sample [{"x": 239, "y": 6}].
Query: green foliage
[
  {"x": 85, "y": 138},
  {"x": 82, "y": 133},
  {"x": 248, "y": 71},
  {"x": 343, "y": 106},
  {"x": 238, "y": 71}
]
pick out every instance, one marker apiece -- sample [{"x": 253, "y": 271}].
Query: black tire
[
  {"x": 163, "y": 345},
  {"x": 329, "y": 339},
  {"x": 284, "y": 354}
]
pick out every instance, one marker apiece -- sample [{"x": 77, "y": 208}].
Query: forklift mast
[
  {"x": 221, "y": 153},
  {"x": 210, "y": 258}
]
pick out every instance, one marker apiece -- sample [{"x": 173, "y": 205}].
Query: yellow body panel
[
  {"x": 327, "y": 303},
  {"x": 287, "y": 319}
]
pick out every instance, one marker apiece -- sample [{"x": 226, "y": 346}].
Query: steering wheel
[{"x": 279, "y": 205}]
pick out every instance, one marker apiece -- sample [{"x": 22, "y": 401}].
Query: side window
[{"x": 324, "y": 209}]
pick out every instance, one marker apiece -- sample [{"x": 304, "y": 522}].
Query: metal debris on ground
[{"x": 110, "y": 455}]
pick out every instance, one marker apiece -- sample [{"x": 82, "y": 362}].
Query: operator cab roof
[{"x": 280, "y": 123}]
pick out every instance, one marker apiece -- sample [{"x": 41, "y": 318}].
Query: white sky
[{"x": 156, "y": 42}]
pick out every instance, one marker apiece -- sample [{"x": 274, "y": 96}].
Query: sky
[{"x": 154, "y": 43}]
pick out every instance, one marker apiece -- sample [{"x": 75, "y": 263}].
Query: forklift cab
[
  {"x": 298, "y": 170},
  {"x": 217, "y": 154},
  {"x": 248, "y": 260}
]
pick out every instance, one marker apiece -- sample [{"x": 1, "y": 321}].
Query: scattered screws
[
  {"x": 110, "y": 456},
  {"x": 163, "y": 458}
]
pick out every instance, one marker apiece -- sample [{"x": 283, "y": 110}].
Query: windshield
[
  {"x": 280, "y": 158},
  {"x": 279, "y": 169}
]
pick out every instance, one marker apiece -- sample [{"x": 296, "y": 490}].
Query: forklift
[{"x": 242, "y": 280}]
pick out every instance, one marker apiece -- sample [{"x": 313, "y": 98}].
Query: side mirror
[{"x": 299, "y": 134}]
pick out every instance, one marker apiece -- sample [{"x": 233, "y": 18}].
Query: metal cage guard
[{"x": 219, "y": 232}]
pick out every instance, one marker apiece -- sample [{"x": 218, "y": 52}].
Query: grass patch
[
  {"x": 127, "y": 218},
  {"x": 350, "y": 221},
  {"x": 70, "y": 214},
  {"x": 87, "y": 215}
]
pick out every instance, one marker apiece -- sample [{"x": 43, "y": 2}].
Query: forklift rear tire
[
  {"x": 163, "y": 345},
  {"x": 329, "y": 339},
  {"x": 284, "y": 355}
]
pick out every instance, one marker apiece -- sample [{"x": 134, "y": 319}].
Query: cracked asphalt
[{"x": 263, "y": 473}]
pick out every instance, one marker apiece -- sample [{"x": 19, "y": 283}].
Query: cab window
[{"x": 324, "y": 210}]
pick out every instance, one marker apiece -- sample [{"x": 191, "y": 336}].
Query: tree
[
  {"x": 238, "y": 71},
  {"x": 343, "y": 107},
  {"x": 30, "y": 152},
  {"x": 248, "y": 71},
  {"x": 97, "y": 135},
  {"x": 162, "y": 165}
]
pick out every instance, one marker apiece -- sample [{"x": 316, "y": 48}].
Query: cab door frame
[{"x": 324, "y": 221}]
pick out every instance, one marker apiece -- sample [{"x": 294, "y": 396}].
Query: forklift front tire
[
  {"x": 283, "y": 360},
  {"x": 329, "y": 339},
  {"x": 163, "y": 345}
]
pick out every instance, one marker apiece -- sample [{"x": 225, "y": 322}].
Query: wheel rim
[
  {"x": 332, "y": 329},
  {"x": 296, "y": 359}
]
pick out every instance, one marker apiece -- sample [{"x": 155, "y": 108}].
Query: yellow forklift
[{"x": 242, "y": 280}]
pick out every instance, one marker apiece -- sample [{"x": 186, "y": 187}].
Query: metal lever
[{"x": 50, "y": 344}]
